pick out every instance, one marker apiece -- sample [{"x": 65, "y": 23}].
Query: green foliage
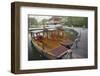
[
  {"x": 32, "y": 22},
  {"x": 75, "y": 21},
  {"x": 65, "y": 21},
  {"x": 70, "y": 21},
  {"x": 44, "y": 21}
]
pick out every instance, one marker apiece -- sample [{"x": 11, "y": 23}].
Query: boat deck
[{"x": 51, "y": 46}]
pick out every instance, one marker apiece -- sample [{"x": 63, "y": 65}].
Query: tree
[
  {"x": 32, "y": 22},
  {"x": 77, "y": 21},
  {"x": 44, "y": 21},
  {"x": 65, "y": 21}
]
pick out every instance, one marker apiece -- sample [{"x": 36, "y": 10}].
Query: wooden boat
[{"x": 48, "y": 42}]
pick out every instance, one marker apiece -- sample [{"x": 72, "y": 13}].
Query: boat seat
[
  {"x": 59, "y": 51},
  {"x": 38, "y": 38}
]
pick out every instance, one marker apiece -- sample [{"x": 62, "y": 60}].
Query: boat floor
[{"x": 48, "y": 44}]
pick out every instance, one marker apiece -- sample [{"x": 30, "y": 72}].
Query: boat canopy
[{"x": 36, "y": 31}]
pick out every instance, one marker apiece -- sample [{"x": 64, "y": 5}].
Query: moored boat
[{"x": 48, "y": 42}]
